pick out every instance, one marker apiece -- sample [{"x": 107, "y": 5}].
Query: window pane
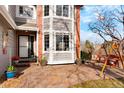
[
  {"x": 66, "y": 42},
  {"x": 59, "y": 45},
  {"x": 65, "y": 10},
  {"x": 46, "y": 10},
  {"x": 59, "y": 10},
  {"x": 46, "y": 42},
  {"x": 25, "y": 11},
  {"x": 28, "y": 11},
  {"x": 21, "y": 10},
  {"x": 62, "y": 42}
]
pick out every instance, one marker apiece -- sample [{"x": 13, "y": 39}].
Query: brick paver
[{"x": 52, "y": 76}]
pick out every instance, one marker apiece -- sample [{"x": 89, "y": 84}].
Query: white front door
[{"x": 23, "y": 46}]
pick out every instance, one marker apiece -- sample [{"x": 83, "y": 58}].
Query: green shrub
[{"x": 85, "y": 55}]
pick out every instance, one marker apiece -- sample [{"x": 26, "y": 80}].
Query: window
[
  {"x": 21, "y": 10},
  {"x": 25, "y": 11},
  {"x": 62, "y": 42},
  {"x": 28, "y": 12},
  {"x": 62, "y": 10},
  {"x": 66, "y": 42},
  {"x": 59, "y": 46},
  {"x": 46, "y": 42},
  {"x": 59, "y": 10},
  {"x": 46, "y": 10},
  {"x": 65, "y": 10}
]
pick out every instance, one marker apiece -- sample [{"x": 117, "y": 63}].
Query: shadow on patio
[
  {"x": 114, "y": 73},
  {"x": 20, "y": 68},
  {"x": 58, "y": 76}
]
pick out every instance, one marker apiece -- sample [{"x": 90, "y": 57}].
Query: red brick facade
[
  {"x": 78, "y": 31},
  {"x": 39, "y": 24}
]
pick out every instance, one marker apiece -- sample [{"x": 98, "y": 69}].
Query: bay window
[
  {"x": 46, "y": 42},
  {"x": 59, "y": 10},
  {"x": 62, "y": 10},
  {"x": 65, "y": 10},
  {"x": 46, "y": 10},
  {"x": 62, "y": 42}
]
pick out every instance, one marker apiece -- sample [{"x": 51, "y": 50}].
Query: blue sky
[{"x": 88, "y": 15}]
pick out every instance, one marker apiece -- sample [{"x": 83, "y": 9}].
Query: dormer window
[{"x": 26, "y": 11}]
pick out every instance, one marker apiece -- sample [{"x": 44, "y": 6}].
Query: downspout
[
  {"x": 78, "y": 31},
  {"x": 39, "y": 25}
]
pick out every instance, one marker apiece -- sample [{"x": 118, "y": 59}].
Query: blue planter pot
[{"x": 10, "y": 74}]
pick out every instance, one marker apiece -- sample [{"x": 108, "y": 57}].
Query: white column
[
  {"x": 51, "y": 36},
  {"x": 73, "y": 36},
  {"x": 37, "y": 43}
]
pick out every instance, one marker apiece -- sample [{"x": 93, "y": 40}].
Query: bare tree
[{"x": 106, "y": 25}]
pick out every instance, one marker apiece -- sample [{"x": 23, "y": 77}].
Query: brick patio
[{"x": 52, "y": 76}]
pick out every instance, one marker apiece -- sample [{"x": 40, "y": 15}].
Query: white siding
[
  {"x": 12, "y": 41},
  {"x": 12, "y": 11},
  {"x": 4, "y": 58},
  {"x": 4, "y": 62}
]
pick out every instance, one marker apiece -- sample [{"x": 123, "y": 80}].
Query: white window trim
[
  {"x": 17, "y": 12},
  {"x": 60, "y": 17},
  {"x": 62, "y": 40},
  {"x": 54, "y": 39}
]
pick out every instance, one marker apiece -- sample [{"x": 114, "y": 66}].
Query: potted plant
[
  {"x": 43, "y": 61},
  {"x": 10, "y": 73}
]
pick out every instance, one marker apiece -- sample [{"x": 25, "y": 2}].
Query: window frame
[
  {"x": 18, "y": 14},
  {"x": 62, "y": 11},
  {"x": 21, "y": 10},
  {"x": 63, "y": 49},
  {"x": 44, "y": 48},
  {"x": 59, "y": 11}
]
